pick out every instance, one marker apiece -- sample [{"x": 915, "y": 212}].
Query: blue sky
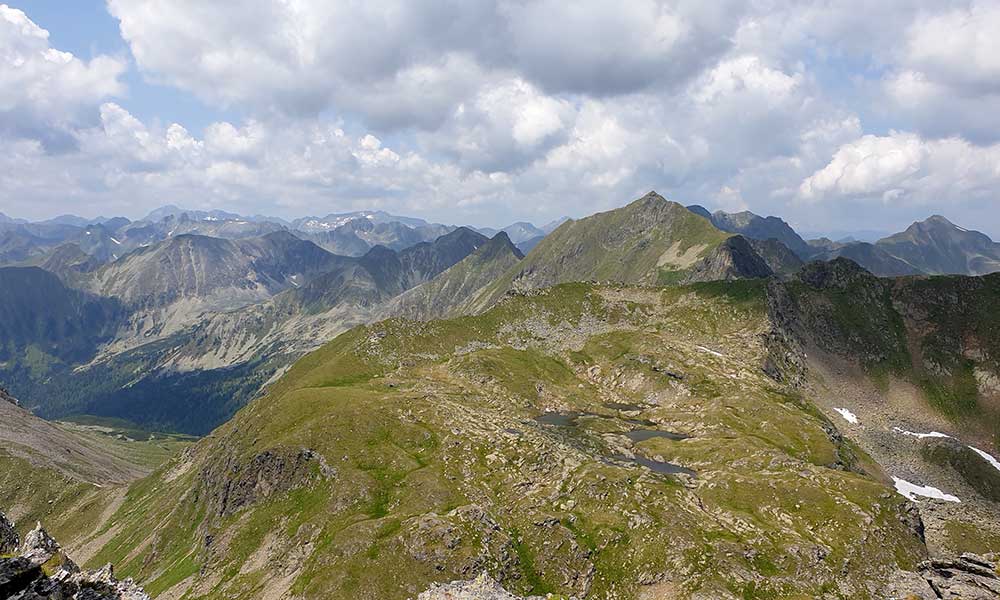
[{"x": 839, "y": 117}]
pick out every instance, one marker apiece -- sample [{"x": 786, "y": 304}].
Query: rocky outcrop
[
  {"x": 968, "y": 577},
  {"x": 42, "y": 570},
  {"x": 234, "y": 485},
  {"x": 480, "y": 588}
]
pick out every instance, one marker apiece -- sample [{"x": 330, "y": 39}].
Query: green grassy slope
[
  {"x": 70, "y": 477},
  {"x": 405, "y": 453}
]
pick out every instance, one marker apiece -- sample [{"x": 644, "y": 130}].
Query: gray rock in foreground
[{"x": 23, "y": 577}]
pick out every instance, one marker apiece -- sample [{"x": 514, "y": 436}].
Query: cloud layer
[{"x": 488, "y": 111}]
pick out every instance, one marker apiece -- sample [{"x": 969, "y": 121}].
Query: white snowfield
[
  {"x": 933, "y": 434},
  {"x": 912, "y": 490},
  {"x": 848, "y": 415},
  {"x": 710, "y": 351},
  {"x": 989, "y": 457}
]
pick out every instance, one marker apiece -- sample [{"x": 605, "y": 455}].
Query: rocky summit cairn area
[{"x": 38, "y": 569}]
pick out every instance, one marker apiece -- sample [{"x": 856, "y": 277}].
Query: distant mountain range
[
  {"x": 654, "y": 401},
  {"x": 217, "y": 297},
  {"x": 935, "y": 246},
  {"x": 106, "y": 239}
]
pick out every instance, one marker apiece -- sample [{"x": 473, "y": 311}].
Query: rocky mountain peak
[
  {"x": 499, "y": 244},
  {"x": 651, "y": 199},
  {"x": 937, "y": 220},
  {"x": 931, "y": 227}
]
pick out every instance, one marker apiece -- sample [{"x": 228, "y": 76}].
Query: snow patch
[
  {"x": 961, "y": 228},
  {"x": 712, "y": 352},
  {"x": 848, "y": 415},
  {"x": 937, "y": 434},
  {"x": 115, "y": 241},
  {"x": 989, "y": 457},
  {"x": 912, "y": 490},
  {"x": 933, "y": 434}
]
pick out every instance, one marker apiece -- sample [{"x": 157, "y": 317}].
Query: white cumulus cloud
[
  {"x": 44, "y": 90},
  {"x": 904, "y": 168}
]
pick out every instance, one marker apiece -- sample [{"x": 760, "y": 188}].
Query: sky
[{"x": 837, "y": 116}]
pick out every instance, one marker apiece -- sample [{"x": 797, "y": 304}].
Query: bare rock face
[
  {"x": 968, "y": 577},
  {"x": 9, "y": 541},
  {"x": 480, "y": 588},
  {"x": 42, "y": 571}
]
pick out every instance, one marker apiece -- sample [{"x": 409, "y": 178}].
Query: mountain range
[
  {"x": 214, "y": 296},
  {"x": 935, "y": 246},
  {"x": 654, "y": 401}
]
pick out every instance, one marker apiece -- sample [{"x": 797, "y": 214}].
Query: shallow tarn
[{"x": 570, "y": 419}]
